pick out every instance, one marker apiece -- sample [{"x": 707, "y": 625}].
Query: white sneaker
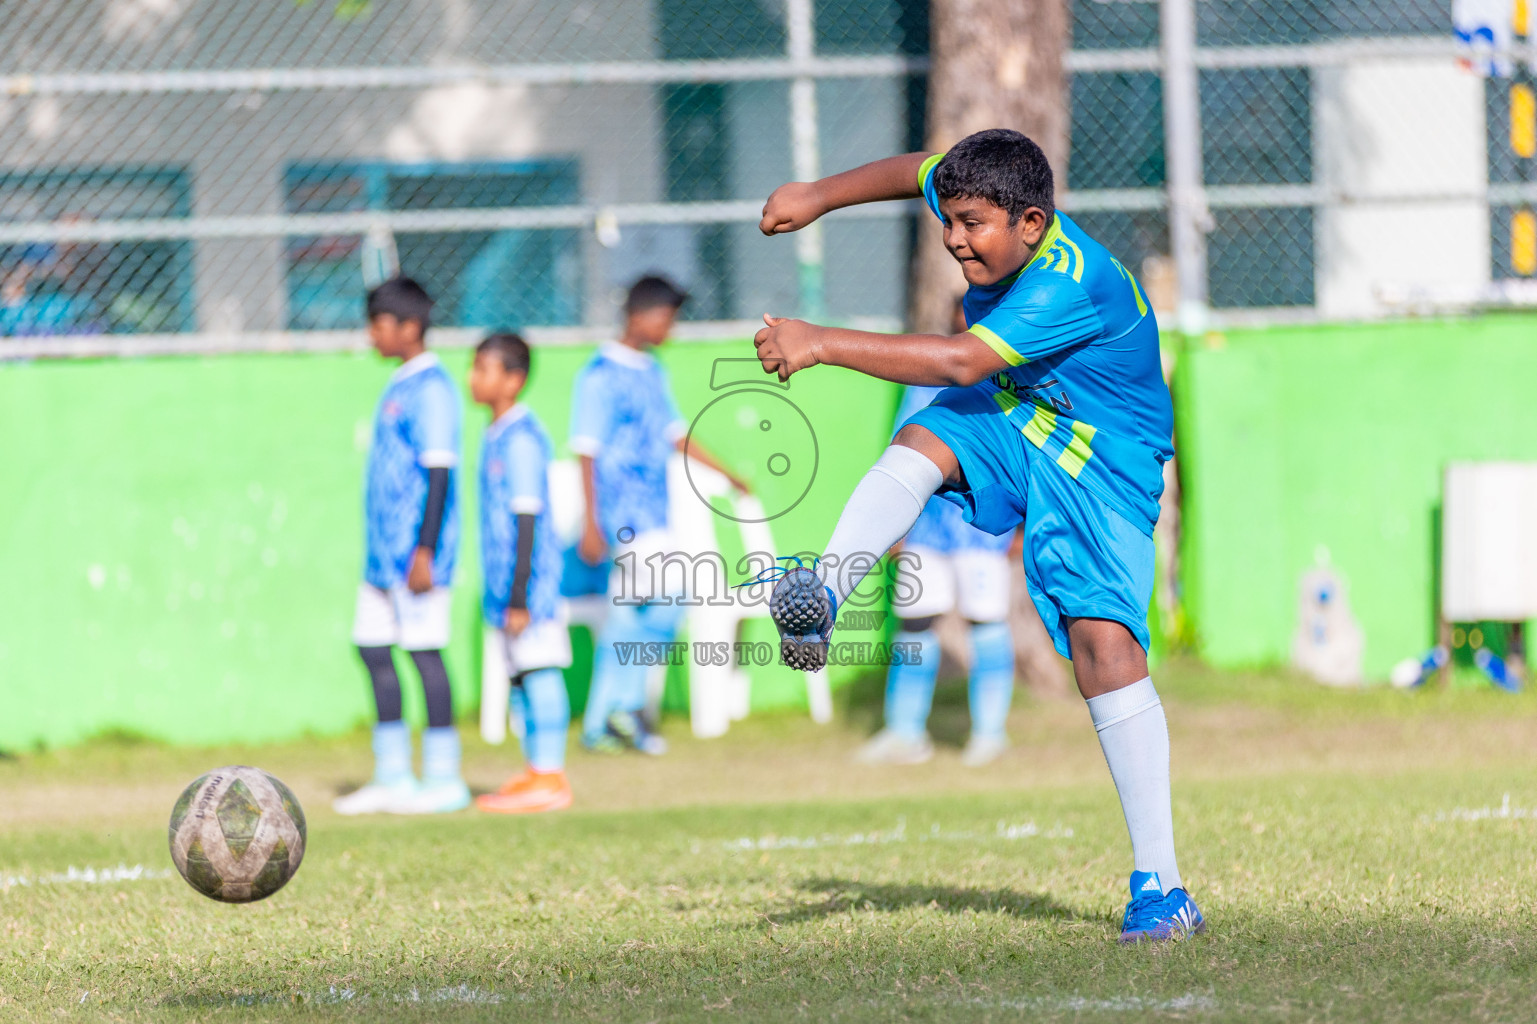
[
  {"x": 375, "y": 798},
  {"x": 887, "y": 747},
  {"x": 982, "y": 750},
  {"x": 441, "y": 797}
]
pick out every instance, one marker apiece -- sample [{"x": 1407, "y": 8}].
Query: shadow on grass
[{"x": 843, "y": 896}]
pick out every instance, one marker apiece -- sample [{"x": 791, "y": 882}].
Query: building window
[
  {"x": 493, "y": 278},
  {"x": 65, "y": 287}
]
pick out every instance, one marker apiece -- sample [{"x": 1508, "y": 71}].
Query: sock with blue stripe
[
  {"x": 1134, "y": 735},
  {"x": 440, "y": 754},
  {"x": 991, "y": 686},
  {"x": 910, "y": 685},
  {"x": 392, "y": 753},
  {"x": 546, "y": 713}
]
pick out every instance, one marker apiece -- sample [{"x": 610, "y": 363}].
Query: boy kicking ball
[
  {"x": 522, "y": 562},
  {"x": 1056, "y": 417}
]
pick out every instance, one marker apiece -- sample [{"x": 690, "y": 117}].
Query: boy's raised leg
[{"x": 883, "y": 507}]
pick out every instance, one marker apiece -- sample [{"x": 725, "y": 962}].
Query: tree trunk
[{"x": 994, "y": 64}]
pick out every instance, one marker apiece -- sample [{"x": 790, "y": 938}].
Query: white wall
[{"x": 1387, "y": 134}]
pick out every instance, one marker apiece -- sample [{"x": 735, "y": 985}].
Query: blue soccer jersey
[
  {"x": 1084, "y": 383},
  {"x": 942, "y": 525},
  {"x": 416, "y": 428},
  {"x": 514, "y": 480},
  {"x": 624, "y": 417}
]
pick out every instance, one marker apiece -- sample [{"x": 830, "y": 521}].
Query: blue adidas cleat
[
  {"x": 1153, "y": 917},
  {"x": 803, "y": 609}
]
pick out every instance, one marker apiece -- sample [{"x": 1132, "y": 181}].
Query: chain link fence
[{"x": 220, "y": 174}]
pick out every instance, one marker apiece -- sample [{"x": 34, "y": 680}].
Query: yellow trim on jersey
[
  {"x": 1040, "y": 426},
  {"x": 1078, "y": 451},
  {"x": 1052, "y": 237},
  {"x": 997, "y": 344},
  {"x": 1007, "y": 401},
  {"x": 1078, "y": 268},
  {"x": 1136, "y": 290},
  {"x": 927, "y": 168}
]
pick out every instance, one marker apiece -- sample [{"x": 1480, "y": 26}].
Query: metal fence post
[
  {"x": 1189, "y": 218},
  {"x": 805, "y": 154}
]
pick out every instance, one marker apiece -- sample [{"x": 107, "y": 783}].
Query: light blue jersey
[
  {"x": 1084, "y": 383},
  {"x": 514, "y": 480},
  {"x": 624, "y": 417},
  {"x": 942, "y": 526},
  {"x": 416, "y": 428}
]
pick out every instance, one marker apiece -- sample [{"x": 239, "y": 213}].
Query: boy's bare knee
[
  {"x": 1106, "y": 656},
  {"x": 925, "y": 443}
]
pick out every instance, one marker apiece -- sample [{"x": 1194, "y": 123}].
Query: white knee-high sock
[
  {"x": 1134, "y": 735},
  {"x": 879, "y": 513}
]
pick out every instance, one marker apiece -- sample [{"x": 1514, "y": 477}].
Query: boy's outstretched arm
[
  {"x": 935, "y": 360},
  {"x": 793, "y": 206}
]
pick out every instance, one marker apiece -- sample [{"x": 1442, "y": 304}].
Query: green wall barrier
[
  {"x": 1301, "y": 444},
  {"x": 181, "y": 537}
]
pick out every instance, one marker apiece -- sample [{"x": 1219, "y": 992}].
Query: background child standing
[
  {"x": 521, "y": 559},
  {"x": 624, "y": 427},
  {"x": 412, "y": 530}
]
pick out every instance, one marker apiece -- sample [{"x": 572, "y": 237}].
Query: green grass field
[{"x": 1359, "y": 857}]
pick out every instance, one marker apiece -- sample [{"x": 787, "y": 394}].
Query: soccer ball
[{"x": 237, "y": 834}]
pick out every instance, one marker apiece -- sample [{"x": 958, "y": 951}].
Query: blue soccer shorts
[{"x": 1083, "y": 559}]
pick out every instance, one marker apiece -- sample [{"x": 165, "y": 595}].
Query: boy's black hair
[
  {"x": 652, "y": 291},
  {"x": 1001, "y": 167},
  {"x": 509, "y": 349},
  {"x": 404, "y": 299}
]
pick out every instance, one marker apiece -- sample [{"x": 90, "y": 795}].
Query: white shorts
[
  {"x": 399, "y": 618},
  {"x": 974, "y": 583},
  {"x": 545, "y": 644}
]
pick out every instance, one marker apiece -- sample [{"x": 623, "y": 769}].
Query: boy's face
[
  {"x": 980, "y": 237},
  {"x": 392, "y": 337},
  {"x": 491, "y": 383},
  {"x": 651, "y": 326}
]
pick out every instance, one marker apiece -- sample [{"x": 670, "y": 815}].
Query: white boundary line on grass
[
  {"x": 1504, "y": 811},
  {"x": 1116, "y": 1004},
  {"x": 87, "y": 876}
]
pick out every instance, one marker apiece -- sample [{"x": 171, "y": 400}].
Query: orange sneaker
[
  {"x": 529, "y": 793},
  {"x": 516, "y": 783}
]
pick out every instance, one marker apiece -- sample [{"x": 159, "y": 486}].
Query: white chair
[
  {"x": 721, "y": 694},
  {"x": 718, "y": 694}
]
